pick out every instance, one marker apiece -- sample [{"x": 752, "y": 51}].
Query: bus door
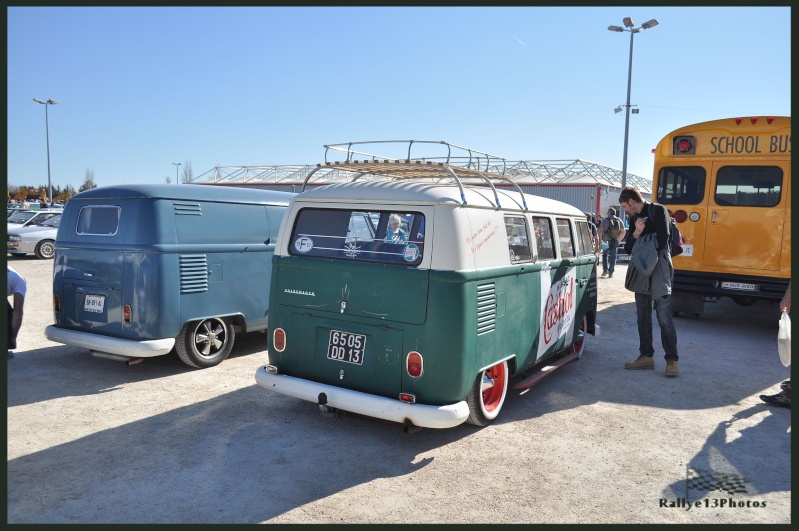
[{"x": 746, "y": 216}]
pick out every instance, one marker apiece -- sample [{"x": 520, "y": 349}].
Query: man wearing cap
[{"x": 611, "y": 230}]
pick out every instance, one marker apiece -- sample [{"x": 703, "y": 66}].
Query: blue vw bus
[{"x": 142, "y": 269}]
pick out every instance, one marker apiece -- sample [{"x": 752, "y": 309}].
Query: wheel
[
  {"x": 205, "y": 343},
  {"x": 488, "y": 394},
  {"x": 579, "y": 344},
  {"x": 45, "y": 249}
]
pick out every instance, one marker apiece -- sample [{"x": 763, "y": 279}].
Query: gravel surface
[{"x": 97, "y": 441}]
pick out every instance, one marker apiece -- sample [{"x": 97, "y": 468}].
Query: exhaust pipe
[
  {"x": 410, "y": 427},
  {"x": 116, "y": 357}
]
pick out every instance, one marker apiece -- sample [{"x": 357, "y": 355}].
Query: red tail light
[
  {"x": 737, "y": 121},
  {"x": 684, "y": 145},
  {"x": 680, "y": 216},
  {"x": 126, "y": 313},
  {"x": 769, "y": 119},
  {"x": 414, "y": 364},
  {"x": 56, "y": 303},
  {"x": 279, "y": 339}
]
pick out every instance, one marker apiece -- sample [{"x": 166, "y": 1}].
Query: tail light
[
  {"x": 56, "y": 303},
  {"x": 126, "y": 313},
  {"x": 279, "y": 339},
  {"x": 680, "y": 216},
  {"x": 414, "y": 364}
]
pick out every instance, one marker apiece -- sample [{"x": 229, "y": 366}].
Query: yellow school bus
[{"x": 727, "y": 184}]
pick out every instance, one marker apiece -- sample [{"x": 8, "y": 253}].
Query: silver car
[
  {"x": 37, "y": 239},
  {"x": 23, "y": 218}
]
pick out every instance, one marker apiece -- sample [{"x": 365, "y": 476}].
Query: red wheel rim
[
  {"x": 493, "y": 397},
  {"x": 578, "y": 345}
]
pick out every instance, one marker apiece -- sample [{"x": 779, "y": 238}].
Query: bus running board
[{"x": 545, "y": 371}]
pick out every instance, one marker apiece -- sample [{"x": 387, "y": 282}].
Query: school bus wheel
[
  {"x": 488, "y": 394},
  {"x": 205, "y": 343}
]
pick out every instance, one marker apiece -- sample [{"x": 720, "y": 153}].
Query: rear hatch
[{"x": 346, "y": 321}]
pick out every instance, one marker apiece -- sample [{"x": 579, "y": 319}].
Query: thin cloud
[{"x": 518, "y": 39}]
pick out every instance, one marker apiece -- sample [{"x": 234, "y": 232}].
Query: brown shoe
[
  {"x": 641, "y": 362},
  {"x": 671, "y": 368}
]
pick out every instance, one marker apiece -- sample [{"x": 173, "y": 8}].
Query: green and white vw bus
[{"x": 425, "y": 324}]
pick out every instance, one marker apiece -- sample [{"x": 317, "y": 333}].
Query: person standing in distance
[
  {"x": 611, "y": 230},
  {"x": 17, "y": 288},
  {"x": 657, "y": 291}
]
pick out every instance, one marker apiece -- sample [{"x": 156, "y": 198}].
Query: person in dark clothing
[{"x": 640, "y": 225}]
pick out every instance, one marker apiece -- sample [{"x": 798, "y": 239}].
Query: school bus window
[
  {"x": 757, "y": 186},
  {"x": 584, "y": 238},
  {"x": 681, "y": 185},
  {"x": 565, "y": 238},
  {"x": 543, "y": 238},
  {"x": 518, "y": 242}
]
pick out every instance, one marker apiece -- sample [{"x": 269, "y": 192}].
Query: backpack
[
  {"x": 615, "y": 228},
  {"x": 675, "y": 238}
]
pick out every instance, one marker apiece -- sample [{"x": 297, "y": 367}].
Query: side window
[
  {"x": 584, "y": 238},
  {"x": 757, "y": 186},
  {"x": 518, "y": 240},
  {"x": 565, "y": 240},
  {"x": 98, "y": 220},
  {"x": 682, "y": 185},
  {"x": 543, "y": 238}
]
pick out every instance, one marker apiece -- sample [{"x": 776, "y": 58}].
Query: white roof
[{"x": 427, "y": 192}]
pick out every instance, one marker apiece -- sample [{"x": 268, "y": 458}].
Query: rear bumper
[
  {"x": 712, "y": 285},
  {"x": 421, "y": 415},
  {"x": 113, "y": 345}
]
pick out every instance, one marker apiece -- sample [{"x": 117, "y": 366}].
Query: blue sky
[{"x": 141, "y": 88}]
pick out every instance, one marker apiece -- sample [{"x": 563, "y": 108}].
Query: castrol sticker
[{"x": 558, "y": 307}]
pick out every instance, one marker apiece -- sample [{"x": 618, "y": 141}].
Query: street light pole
[
  {"x": 47, "y": 133},
  {"x": 628, "y": 23},
  {"x": 177, "y": 164}
]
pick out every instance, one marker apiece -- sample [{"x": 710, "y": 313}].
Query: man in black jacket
[{"x": 641, "y": 224}]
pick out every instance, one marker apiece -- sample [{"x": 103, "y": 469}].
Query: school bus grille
[
  {"x": 486, "y": 308},
  {"x": 193, "y": 273}
]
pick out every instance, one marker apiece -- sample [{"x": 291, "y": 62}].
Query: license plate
[
  {"x": 346, "y": 347},
  {"x": 94, "y": 303},
  {"x": 739, "y": 285}
]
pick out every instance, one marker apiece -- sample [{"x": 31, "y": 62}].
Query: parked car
[
  {"x": 33, "y": 238},
  {"x": 24, "y": 218}
]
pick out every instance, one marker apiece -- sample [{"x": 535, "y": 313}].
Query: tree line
[{"x": 62, "y": 194}]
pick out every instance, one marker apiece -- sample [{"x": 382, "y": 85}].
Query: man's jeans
[
  {"x": 609, "y": 256},
  {"x": 668, "y": 334}
]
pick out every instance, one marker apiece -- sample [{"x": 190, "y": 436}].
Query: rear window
[
  {"x": 681, "y": 185},
  {"x": 383, "y": 236},
  {"x": 98, "y": 220},
  {"x": 756, "y": 186}
]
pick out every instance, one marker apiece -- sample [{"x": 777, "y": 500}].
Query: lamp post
[
  {"x": 177, "y": 165},
  {"x": 628, "y": 23},
  {"x": 47, "y": 132}
]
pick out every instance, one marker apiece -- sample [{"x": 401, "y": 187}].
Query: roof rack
[{"x": 464, "y": 166}]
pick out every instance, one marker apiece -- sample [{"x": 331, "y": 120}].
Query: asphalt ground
[{"x": 94, "y": 441}]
